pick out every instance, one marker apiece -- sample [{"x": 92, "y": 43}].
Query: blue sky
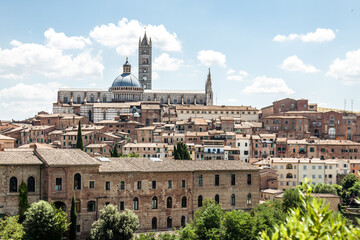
[{"x": 258, "y": 51}]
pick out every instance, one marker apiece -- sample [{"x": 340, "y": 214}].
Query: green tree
[
  {"x": 349, "y": 181},
  {"x": 267, "y": 215},
  {"x": 314, "y": 221},
  {"x": 324, "y": 188},
  {"x": 238, "y": 225},
  {"x": 133, "y": 155},
  {"x": 10, "y": 228},
  {"x": 113, "y": 225},
  {"x": 73, "y": 220},
  {"x": 23, "y": 201},
  {"x": 187, "y": 233},
  {"x": 44, "y": 221},
  {"x": 79, "y": 140},
  {"x": 208, "y": 221},
  {"x": 114, "y": 152},
  {"x": 181, "y": 151},
  {"x": 291, "y": 198}
]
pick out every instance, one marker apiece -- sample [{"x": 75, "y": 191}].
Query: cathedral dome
[{"x": 126, "y": 80}]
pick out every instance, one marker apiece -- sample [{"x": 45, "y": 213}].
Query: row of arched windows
[
  {"x": 13, "y": 186},
  {"x": 154, "y": 222},
  {"x": 154, "y": 202}
]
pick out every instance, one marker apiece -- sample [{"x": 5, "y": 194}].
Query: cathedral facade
[{"x": 127, "y": 92}]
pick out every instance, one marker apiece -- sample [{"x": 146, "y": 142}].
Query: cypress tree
[
  {"x": 23, "y": 201},
  {"x": 73, "y": 218},
  {"x": 79, "y": 140},
  {"x": 181, "y": 151}
]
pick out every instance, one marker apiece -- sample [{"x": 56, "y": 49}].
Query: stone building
[
  {"x": 101, "y": 104},
  {"x": 164, "y": 193}
]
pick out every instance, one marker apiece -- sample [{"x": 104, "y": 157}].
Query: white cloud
[
  {"x": 320, "y": 35},
  {"x": 269, "y": 85},
  {"x": 348, "y": 69},
  {"x": 211, "y": 58},
  {"x": 295, "y": 64},
  {"x": 29, "y": 58},
  {"x": 125, "y": 36},
  {"x": 232, "y": 75},
  {"x": 155, "y": 75},
  {"x": 26, "y": 100},
  {"x": 166, "y": 63},
  {"x": 61, "y": 41}
]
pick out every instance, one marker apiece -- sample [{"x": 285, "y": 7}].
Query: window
[
  {"x": 122, "y": 185},
  {"x": 183, "y": 183},
  {"x": 304, "y": 167},
  {"x": 153, "y": 185},
  {"x": 183, "y": 202},
  {"x": 217, "y": 198},
  {"x": 200, "y": 201},
  {"x": 139, "y": 185},
  {"x": 169, "y": 222},
  {"x": 122, "y": 205},
  {"x": 249, "y": 179},
  {"x": 289, "y": 166},
  {"x": 107, "y": 186},
  {"x": 136, "y": 203},
  {"x": 77, "y": 181},
  {"x": 78, "y": 206},
  {"x": 154, "y": 203},
  {"x": 154, "y": 223},
  {"x": 289, "y": 175},
  {"x": 169, "y": 202},
  {"x": 217, "y": 180},
  {"x": 91, "y": 184},
  {"x": 31, "y": 184},
  {"x": 232, "y": 179},
  {"x": 13, "y": 184},
  {"x": 200, "y": 180},
  {"x": 169, "y": 184},
  {"x": 91, "y": 206},
  {"x": 58, "y": 184},
  {"x": 233, "y": 200},
  {"x": 183, "y": 221},
  {"x": 248, "y": 200}
]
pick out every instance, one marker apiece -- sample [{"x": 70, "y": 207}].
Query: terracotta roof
[
  {"x": 217, "y": 108},
  {"x": 169, "y": 165},
  {"x": 3, "y": 137},
  {"x": 66, "y": 157},
  {"x": 22, "y": 157}
]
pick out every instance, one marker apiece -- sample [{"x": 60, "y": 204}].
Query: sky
[{"x": 258, "y": 51}]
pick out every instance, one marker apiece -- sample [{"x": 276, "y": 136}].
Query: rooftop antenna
[{"x": 344, "y": 104}]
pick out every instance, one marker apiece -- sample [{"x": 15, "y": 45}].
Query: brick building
[{"x": 163, "y": 193}]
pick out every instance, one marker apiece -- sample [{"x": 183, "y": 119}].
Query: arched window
[
  {"x": 31, "y": 184},
  {"x": 332, "y": 133},
  {"x": 188, "y": 101},
  {"x": 217, "y": 198},
  {"x": 183, "y": 221},
  {"x": 289, "y": 175},
  {"x": 233, "y": 200},
  {"x": 154, "y": 223},
  {"x": 78, "y": 100},
  {"x": 91, "y": 206},
  {"x": 200, "y": 201},
  {"x": 169, "y": 202},
  {"x": 77, "y": 181},
  {"x": 136, "y": 203},
  {"x": 248, "y": 200},
  {"x": 169, "y": 222},
  {"x": 183, "y": 202},
  {"x": 92, "y": 98},
  {"x": 154, "y": 203},
  {"x": 13, "y": 184},
  {"x": 289, "y": 166}
]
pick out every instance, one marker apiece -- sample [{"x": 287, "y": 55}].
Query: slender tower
[
  {"x": 145, "y": 62},
  {"x": 209, "y": 91}
]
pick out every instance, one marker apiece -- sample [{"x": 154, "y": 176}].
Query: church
[{"x": 127, "y": 92}]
